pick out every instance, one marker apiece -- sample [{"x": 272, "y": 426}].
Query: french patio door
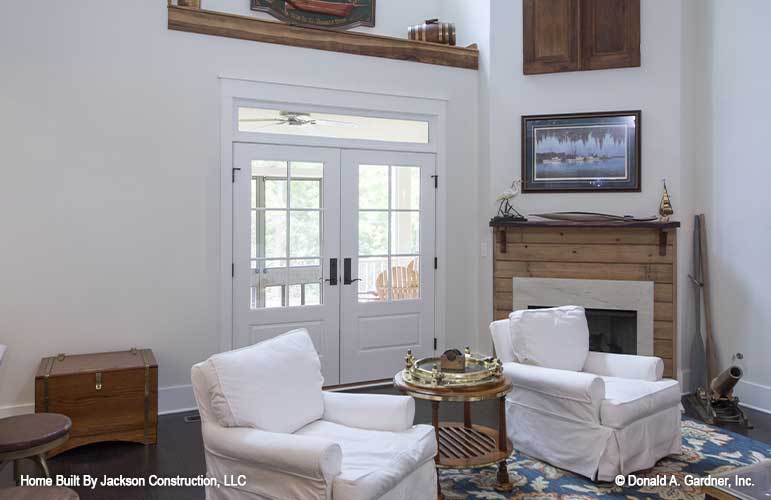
[
  {"x": 340, "y": 242},
  {"x": 387, "y": 245}
]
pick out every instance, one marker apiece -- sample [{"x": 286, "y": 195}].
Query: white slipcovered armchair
[
  {"x": 592, "y": 413},
  {"x": 265, "y": 418}
]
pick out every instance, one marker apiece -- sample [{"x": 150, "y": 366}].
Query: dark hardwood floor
[{"x": 179, "y": 452}]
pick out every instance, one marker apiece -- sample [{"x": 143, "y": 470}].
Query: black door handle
[
  {"x": 347, "y": 272},
  {"x": 332, "y": 280}
]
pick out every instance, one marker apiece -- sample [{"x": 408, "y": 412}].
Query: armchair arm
[
  {"x": 303, "y": 456},
  {"x": 369, "y": 411},
  {"x": 564, "y": 384},
  {"x": 648, "y": 368},
  {"x": 502, "y": 340}
]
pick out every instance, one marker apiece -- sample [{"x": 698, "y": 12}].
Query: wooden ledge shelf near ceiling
[{"x": 209, "y": 22}]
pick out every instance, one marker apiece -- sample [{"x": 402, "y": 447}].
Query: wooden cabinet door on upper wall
[
  {"x": 610, "y": 34},
  {"x": 551, "y": 32},
  {"x": 575, "y": 35}
]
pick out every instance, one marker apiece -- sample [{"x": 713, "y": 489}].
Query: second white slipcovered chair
[
  {"x": 265, "y": 418},
  {"x": 592, "y": 413}
]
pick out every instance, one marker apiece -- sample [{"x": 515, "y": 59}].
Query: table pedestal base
[{"x": 463, "y": 445}]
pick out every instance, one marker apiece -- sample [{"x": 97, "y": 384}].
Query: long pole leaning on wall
[{"x": 715, "y": 402}]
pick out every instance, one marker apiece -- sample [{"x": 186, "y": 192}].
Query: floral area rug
[{"x": 706, "y": 450}]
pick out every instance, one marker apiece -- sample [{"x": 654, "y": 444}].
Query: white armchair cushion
[
  {"x": 648, "y": 368},
  {"x": 628, "y": 400},
  {"x": 369, "y": 411},
  {"x": 305, "y": 456},
  {"x": 556, "y": 337},
  {"x": 274, "y": 385},
  {"x": 374, "y": 462}
]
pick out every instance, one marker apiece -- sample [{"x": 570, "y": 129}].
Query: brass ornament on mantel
[
  {"x": 477, "y": 370},
  {"x": 665, "y": 207}
]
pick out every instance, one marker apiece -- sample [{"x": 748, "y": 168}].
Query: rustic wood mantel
[
  {"x": 209, "y": 22},
  {"x": 636, "y": 251}
]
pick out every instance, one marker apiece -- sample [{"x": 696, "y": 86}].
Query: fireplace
[
  {"x": 619, "y": 313},
  {"x": 610, "y": 330}
]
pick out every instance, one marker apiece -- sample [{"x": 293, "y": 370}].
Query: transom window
[{"x": 274, "y": 121}]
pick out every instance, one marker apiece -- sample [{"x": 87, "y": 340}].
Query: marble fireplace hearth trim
[{"x": 592, "y": 294}]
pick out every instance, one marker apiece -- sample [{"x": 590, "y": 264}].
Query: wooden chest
[{"x": 110, "y": 396}]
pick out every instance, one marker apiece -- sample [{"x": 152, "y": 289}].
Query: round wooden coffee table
[
  {"x": 463, "y": 444},
  {"x": 30, "y": 437}
]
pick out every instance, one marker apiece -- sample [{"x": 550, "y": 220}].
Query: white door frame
[{"x": 236, "y": 91}]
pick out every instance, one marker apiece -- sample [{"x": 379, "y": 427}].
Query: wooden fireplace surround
[{"x": 637, "y": 251}]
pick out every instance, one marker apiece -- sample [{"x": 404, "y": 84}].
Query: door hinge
[
  {"x": 436, "y": 181},
  {"x": 436, "y": 263},
  {"x": 232, "y": 270},
  {"x": 233, "y": 174},
  {"x": 435, "y": 346}
]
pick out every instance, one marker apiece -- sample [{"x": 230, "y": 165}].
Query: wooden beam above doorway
[{"x": 209, "y": 22}]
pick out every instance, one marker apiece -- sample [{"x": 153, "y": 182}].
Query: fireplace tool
[{"x": 715, "y": 402}]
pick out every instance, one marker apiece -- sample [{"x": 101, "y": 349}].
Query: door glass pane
[
  {"x": 373, "y": 187},
  {"x": 304, "y": 234},
  {"x": 373, "y": 233},
  {"x": 269, "y": 184},
  {"x": 286, "y": 201},
  {"x": 373, "y": 273},
  {"x": 274, "y": 234},
  {"x": 307, "y": 170},
  {"x": 405, "y": 233},
  {"x": 306, "y": 193},
  {"x": 295, "y": 295},
  {"x": 306, "y": 184},
  {"x": 312, "y": 294},
  {"x": 275, "y": 193},
  {"x": 274, "y": 296},
  {"x": 405, "y": 278},
  {"x": 405, "y": 188}
]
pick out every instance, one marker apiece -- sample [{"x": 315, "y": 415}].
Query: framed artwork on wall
[
  {"x": 332, "y": 14},
  {"x": 581, "y": 152}
]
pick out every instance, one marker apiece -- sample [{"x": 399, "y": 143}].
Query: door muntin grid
[
  {"x": 388, "y": 233},
  {"x": 286, "y": 233}
]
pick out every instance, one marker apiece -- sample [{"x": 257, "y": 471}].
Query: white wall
[
  {"x": 109, "y": 180},
  {"x": 736, "y": 199},
  {"x": 653, "y": 88},
  {"x": 696, "y": 135}
]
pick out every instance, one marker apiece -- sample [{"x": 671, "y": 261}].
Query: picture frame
[
  {"x": 327, "y": 14},
  {"x": 581, "y": 152}
]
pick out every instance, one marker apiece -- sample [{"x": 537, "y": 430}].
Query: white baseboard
[
  {"x": 685, "y": 381},
  {"x": 176, "y": 399},
  {"x": 754, "y": 395},
  {"x": 173, "y": 399},
  {"x": 12, "y": 410}
]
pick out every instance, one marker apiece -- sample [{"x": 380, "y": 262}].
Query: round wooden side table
[
  {"x": 463, "y": 444},
  {"x": 30, "y": 437}
]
